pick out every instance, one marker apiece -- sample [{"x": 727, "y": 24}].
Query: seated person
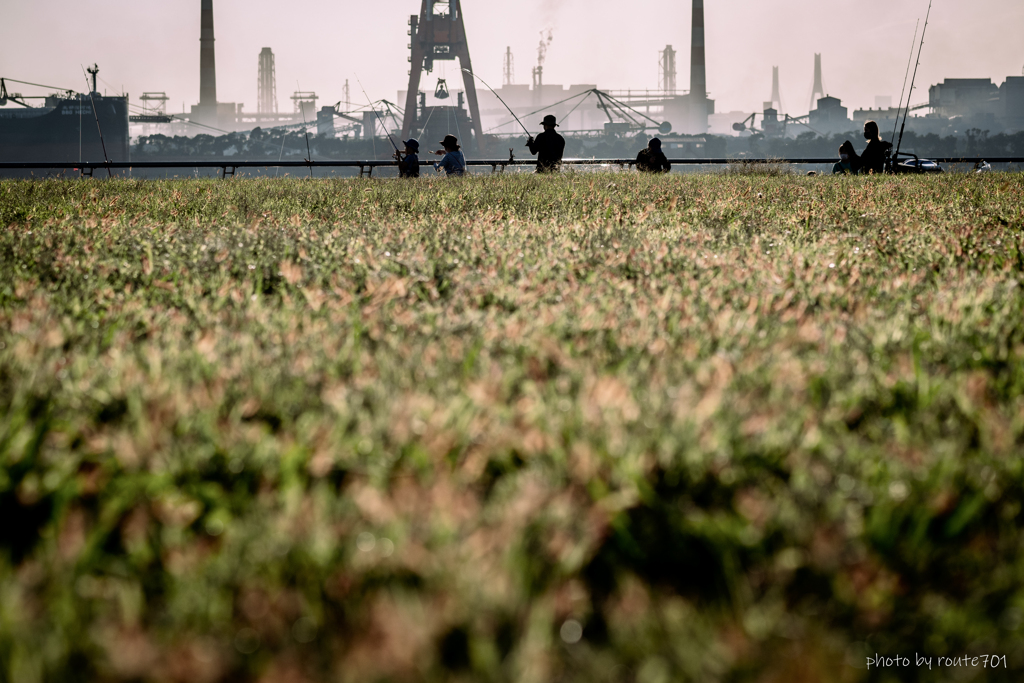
[
  {"x": 409, "y": 160},
  {"x": 454, "y": 161},
  {"x": 875, "y": 155},
  {"x": 849, "y": 162},
  {"x": 651, "y": 159}
]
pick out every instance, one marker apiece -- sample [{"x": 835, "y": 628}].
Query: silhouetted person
[
  {"x": 873, "y": 158},
  {"x": 454, "y": 161},
  {"x": 849, "y": 162},
  {"x": 548, "y": 146},
  {"x": 409, "y": 160},
  {"x": 651, "y": 159}
]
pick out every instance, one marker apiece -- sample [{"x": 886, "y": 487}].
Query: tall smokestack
[
  {"x": 207, "y": 62},
  {"x": 266, "y": 101},
  {"x": 698, "y": 73},
  {"x": 699, "y": 105},
  {"x": 776, "y": 96}
]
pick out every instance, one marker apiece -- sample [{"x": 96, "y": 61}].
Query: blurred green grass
[{"x": 587, "y": 427}]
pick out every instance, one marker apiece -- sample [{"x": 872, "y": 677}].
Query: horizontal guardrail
[{"x": 229, "y": 168}]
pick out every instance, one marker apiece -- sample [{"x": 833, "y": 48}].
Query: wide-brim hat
[
  {"x": 450, "y": 141},
  {"x": 412, "y": 143},
  {"x": 549, "y": 120}
]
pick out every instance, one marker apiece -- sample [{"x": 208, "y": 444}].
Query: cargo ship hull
[{"x": 65, "y": 130}]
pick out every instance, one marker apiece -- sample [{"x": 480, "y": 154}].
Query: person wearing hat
[
  {"x": 548, "y": 146},
  {"x": 454, "y": 161},
  {"x": 409, "y": 160},
  {"x": 651, "y": 159}
]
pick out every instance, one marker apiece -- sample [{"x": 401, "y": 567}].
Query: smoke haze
[
  {"x": 145, "y": 46},
  {"x": 545, "y": 43}
]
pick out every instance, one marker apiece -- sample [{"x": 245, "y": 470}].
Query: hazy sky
[{"x": 146, "y": 45}]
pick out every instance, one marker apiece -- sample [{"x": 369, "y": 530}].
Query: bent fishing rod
[
  {"x": 96, "y": 116},
  {"x": 912, "y": 80},
  {"x": 390, "y": 139},
  {"x": 906, "y": 76},
  {"x": 528, "y": 134}
]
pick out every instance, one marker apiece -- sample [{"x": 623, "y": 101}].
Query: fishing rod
[
  {"x": 383, "y": 125},
  {"x": 528, "y": 134},
  {"x": 96, "y": 116},
  {"x": 912, "y": 80},
  {"x": 584, "y": 94},
  {"x": 913, "y": 42}
]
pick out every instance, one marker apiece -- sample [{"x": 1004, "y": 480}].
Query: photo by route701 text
[{"x": 979, "y": 661}]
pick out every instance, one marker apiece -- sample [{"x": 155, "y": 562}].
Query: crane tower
[{"x": 438, "y": 33}]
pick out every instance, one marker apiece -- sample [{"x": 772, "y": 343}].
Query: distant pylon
[
  {"x": 510, "y": 68},
  {"x": 266, "y": 101},
  {"x": 776, "y": 96},
  {"x": 819, "y": 89}
]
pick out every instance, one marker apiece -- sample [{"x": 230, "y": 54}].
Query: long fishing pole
[
  {"x": 584, "y": 94},
  {"x": 913, "y": 42},
  {"x": 383, "y": 125},
  {"x": 528, "y": 134},
  {"x": 912, "y": 80},
  {"x": 99, "y": 130}
]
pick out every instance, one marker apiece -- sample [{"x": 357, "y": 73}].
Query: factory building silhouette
[
  {"x": 438, "y": 33},
  {"x": 436, "y": 106}
]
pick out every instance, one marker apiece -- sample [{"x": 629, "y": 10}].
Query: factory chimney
[
  {"x": 509, "y": 72},
  {"x": 267, "y": 90},
  {"x": 776, "y": 95},
  {"x": 698, "y": 72},
  {"x": 207, "y": 63},
  {"x": 667, "y": 70}
]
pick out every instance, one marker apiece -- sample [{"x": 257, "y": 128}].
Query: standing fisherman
[
  {"x": 548, "y": 146},
  {"x": 454, "y": 161},
  {"x": 409, "y": 164},
  {"x": 651, "y": 159},
  {"x": 873, "y": 159}
]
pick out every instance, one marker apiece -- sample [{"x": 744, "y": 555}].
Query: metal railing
[{"x": 366, "y": 166}]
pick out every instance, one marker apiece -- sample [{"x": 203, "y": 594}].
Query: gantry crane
[{"x": 438, "y": 33}]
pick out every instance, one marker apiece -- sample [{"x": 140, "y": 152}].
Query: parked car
[{"x": 920, "y": 166}]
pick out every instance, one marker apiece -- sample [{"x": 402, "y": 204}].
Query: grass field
[{"x": 730, "y": 427}]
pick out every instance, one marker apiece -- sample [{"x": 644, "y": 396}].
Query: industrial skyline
[{"x": 143, "y": 47}]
